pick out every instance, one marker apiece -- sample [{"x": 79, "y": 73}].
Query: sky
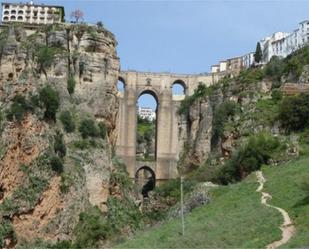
[{"x": 187, "y": 36}]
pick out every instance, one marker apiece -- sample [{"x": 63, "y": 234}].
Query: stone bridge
[{"x": 168, "y": 143}]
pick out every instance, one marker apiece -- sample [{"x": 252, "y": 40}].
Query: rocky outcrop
[{"x": 50, "y": 209}]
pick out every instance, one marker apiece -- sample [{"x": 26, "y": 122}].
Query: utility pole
[{"x": 182, "y": 215}]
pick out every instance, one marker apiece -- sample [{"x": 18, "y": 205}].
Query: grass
[
  {"x": 235, "y": 217},
  {"x": 232, "y": 219},
  {"x": 285, "y": 186}
]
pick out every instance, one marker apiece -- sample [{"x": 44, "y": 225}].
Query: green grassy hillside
[{"x": 235, "y": 217}]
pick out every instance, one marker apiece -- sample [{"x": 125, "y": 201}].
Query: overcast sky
[{"x": 187, "y": 36}]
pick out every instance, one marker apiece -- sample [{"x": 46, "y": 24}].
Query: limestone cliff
[
  {"x": 219, "y": 117},
  {"x": 36, "y": 201}
]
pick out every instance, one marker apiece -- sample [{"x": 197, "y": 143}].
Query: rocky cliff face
[
  {"x": 203, "y": 113},
  {"x": 35, "y": 200}
]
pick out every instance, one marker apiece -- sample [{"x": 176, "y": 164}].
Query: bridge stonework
[{"x": 168, "y": 142}]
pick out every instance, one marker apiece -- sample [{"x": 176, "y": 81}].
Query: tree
[
  {"x": 77, "y": 15},
  {"x": 44, "y": 58},
  {"x": 50, "y": 98},
  {"x": 258, "y": 53}
]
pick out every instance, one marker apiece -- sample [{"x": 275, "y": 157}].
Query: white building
[
  {"x": 247, "y": 60},
  {"x": 215, "y": 68},
  {"x": 32, "y": 13},
  {"x": 222, "y": 66},
  {"x": 282, "y": 44},
  {"x": 273, "y": 45},
  {"x": 146, "y": 113}
]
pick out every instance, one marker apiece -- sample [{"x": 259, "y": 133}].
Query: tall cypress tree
[{"x": 258, "y": 53}]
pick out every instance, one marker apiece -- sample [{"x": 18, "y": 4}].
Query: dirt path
[{"x": 287, "y": 228}]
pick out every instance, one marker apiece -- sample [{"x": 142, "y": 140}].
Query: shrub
[
  {"x": 294, "y": 62},
  {"x": 56, "y": 164},
  {"x": 59, "y": 146},
  {"x": 276, "y": 95},
  {"x": 294, "y": 112},
  {"x": 25, "y": 196},
  {"x": 221, "y": 115},
  {"x": 250, "y": 76},
  {"x": 44, "y": 58},
  {"x": 88, "y": 128},
  {"x": 50, "y": 98},
  {"x": 102, "y": 130},
  {"x": 259, "y": 149},
  {"x": 201, "y": 91},
  {"x": 6, "y": 231},
  {"x": 123, "y": 213},
  {"x": 67, "y": 121},
  {"x": 91, "y": 228},
  {"x": 172, "y": 188},
  {"x": 100, "y": 24},
  {"x": 85, "y": 144},
  {"x": 71, "y": 85},
  {"x": 18, "y": 109},
  {"x": 274, "y": 68}
]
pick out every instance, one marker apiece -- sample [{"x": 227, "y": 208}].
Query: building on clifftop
[{"x": 32, "y": 13}]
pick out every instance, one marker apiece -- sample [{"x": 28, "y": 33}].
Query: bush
[
  {"x": 100, "y": 24},
  {"x": 123, "y": 213},
  {"x": 44, "y": 58},
  {"x": 201, "y": 91},
  {"x": 276, "y": 95},
  {"x": 1, "y": 118},
  {"x": 56, "y": 164},
  {"x": 18, "y": 109},
  {"x": 274, "y": 68},
  {"x": 102, "y": 130},
  {"x": 295, "y": 62},
  {"x": 172, "y": 188},
  {"x": 71, "y": 85},
  {"x": 25, "y": 196},
  {"x": 250, "y": 157},
  {"x": 67, "y": 121},
  {"x": 294, "y": 112},
  {"x": 221, "y": 115},
  {"x": 59, "y": 146},
  {"x": 85, "y": 144},
  {"x": 88, "y": 128},
  {"x": 91, "y": 228},
  {"x": 6, "y": 231},
  {"x": 50, "y": 98}
]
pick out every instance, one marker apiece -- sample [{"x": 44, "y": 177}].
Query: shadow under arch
[{"x": 148, "y": 180}]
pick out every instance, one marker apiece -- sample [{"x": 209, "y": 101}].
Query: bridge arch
[
  {"x": 146, "y": 125},
  {"x": 121, "y": 85},
  {"x": 145, "y": 179},
  {"x": 180, "y": 85}
]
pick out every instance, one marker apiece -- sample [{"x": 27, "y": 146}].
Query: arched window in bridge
[
  {"x": 146, "y": 132},
  {"x": 120, "y": 85},
  {"x": 179, "y": 88}
]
